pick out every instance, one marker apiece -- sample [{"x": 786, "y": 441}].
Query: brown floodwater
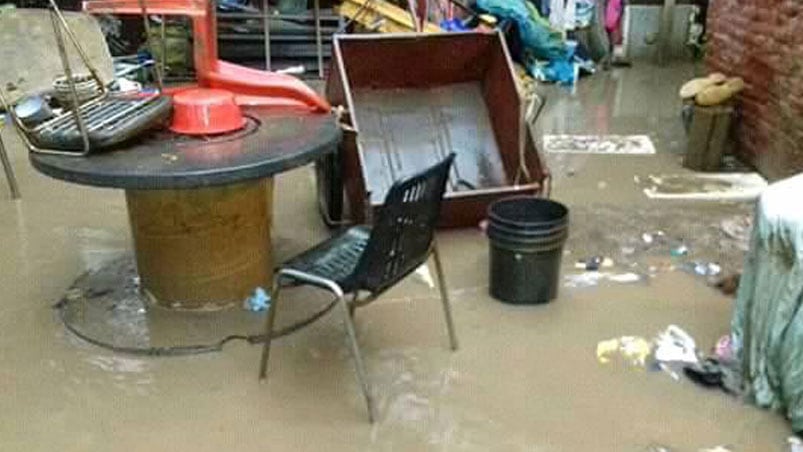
[{"x": 524, "y": 379}]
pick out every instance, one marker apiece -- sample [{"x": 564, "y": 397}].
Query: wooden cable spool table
[{"x": 200, "y": 208}]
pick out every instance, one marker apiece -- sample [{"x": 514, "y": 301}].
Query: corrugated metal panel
[{"x": 644, "y": 23}]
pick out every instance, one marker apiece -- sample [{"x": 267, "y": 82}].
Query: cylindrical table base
[{"x": 203, "y": 248}]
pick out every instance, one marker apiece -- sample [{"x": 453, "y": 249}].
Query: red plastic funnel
[{"x": 202, "y": 111}]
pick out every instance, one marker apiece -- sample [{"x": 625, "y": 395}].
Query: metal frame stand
[
  {"x": 348, "y": 313},
  {"x": 60, "y": 28},
  {"x": 318, "y": 38},
  {"x": 266, "y": 32},
  {"x": 266, "y": 16}
]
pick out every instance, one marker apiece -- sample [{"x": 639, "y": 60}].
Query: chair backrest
[{"x": 402, "y": 234}]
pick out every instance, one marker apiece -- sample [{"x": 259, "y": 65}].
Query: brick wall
[{"x": 762, "y": 41}]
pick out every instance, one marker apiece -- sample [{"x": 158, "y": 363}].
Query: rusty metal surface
[
  {"x": 403, "y": 131},
  {"x": 270, "y": 144},
  {"x": 206, "y": 248}
]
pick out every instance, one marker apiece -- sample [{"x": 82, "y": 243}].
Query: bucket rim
[
  {"x": 552, "y": 243},
  {"x": 548, "y": 230},
  {"x": 495, "y": 218}
]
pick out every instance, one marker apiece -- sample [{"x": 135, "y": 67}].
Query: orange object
[
  {"x": 250, "y": 86},
  {"x": 204, "y": 111}
]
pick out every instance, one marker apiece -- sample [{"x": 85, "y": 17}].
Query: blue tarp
[
  {"x": 545, "y": 54},
  {"x": 536, "y": 35},
  {"x": 767, "y": 325}
]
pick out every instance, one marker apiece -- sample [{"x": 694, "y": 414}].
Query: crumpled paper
[
  {"x": 675, "y": 345},
  {"x": 634, "y": 349}
]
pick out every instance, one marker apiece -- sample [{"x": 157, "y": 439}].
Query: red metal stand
[{"x": 250, "y": 86}]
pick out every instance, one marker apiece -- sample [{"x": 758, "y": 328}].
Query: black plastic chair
[{"x": 373, "y": 259}]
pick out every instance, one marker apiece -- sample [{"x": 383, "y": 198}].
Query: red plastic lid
[{"x": 203, "y": 111}]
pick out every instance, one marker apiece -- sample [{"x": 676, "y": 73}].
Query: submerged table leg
[
  {"x": 12, "y": 180},
  {"x": 204, "y": 248}
]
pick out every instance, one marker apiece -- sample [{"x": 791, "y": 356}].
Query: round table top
[{"x": 269, "y": 144}]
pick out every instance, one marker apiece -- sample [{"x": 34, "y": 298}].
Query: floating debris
[
  {"x": 593, "y": 278},
  {"x": 259, "y": 301},
  {"x": 703, "y": 268},
  {"x": 729, "y": 284},
  {"x": 675, "y": 345},
  {"x": 634, "y": 349},
  {"x": 423, "y": 274},
  {"x": 625, "y": 278},
  {"x": 669, "y": 370},
  {"x": 738, "y": 228},
  {"x": 651, "y": 237},
  {"x": 672, "y": 349},
  {"x": 680, "y": 250},
  {"x": 717, "y": 449},
  {"x": 658, "y": 448},
  {"x": 599, "y": 144},
  {"x": 706, "y": 187},
  {"x": 723, "y": 349},
  {"x": 594, "y": 263}
]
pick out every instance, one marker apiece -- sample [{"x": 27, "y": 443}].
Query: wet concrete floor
[{"x": 524, "y": 379}]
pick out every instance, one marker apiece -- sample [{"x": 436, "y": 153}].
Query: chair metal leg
[
  {"x": 358, "y": 362},
  {"x": 341, "y": 300},
  {"x": 274, "y": 304},
  {"x": 12, "y": 179},
  {"x": 353, "y": 305},
  {"x": 447, "y": 309}
]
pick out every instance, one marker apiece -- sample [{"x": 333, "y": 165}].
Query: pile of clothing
[{"x": 545, "y": 53}]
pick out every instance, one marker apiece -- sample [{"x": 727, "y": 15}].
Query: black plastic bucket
[{"x": 526, "y": 237}]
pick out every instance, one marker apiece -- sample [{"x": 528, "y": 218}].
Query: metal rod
[
  {"x": 266, "y": 31},
  {"x": 24, "y": 131},
  {"x": 92, "y": 71},
  {"x": 274, "y": 303},
  {"x": 149, "y": 41},
  {"x": 665, "y": 32},
  {"x": 316, "y": 11},
  {"x": 258, "y": 15},
  {"x": 413, "y": 15},
  {"x": 163, "y": 37},
  {"x": 12, "y": 179},
  {"x": 65, "y": 61},
  {"x": 362, "y": 377},
  {"x": 350, "y": 333},
  {"x": 527, "y": 109},
  {"x": 447, "y": 307},
  {"x": 424, "y": 16}
]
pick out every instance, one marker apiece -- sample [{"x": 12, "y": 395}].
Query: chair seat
[{"x": 334, "y": 259}]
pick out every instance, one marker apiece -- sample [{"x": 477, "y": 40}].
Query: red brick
[{"x": 762, "y": 41}]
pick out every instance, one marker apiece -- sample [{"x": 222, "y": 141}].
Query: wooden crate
[{"x": 411, "y": 99}]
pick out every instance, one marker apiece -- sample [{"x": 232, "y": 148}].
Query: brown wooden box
[{"x": 411, "y": 99}]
